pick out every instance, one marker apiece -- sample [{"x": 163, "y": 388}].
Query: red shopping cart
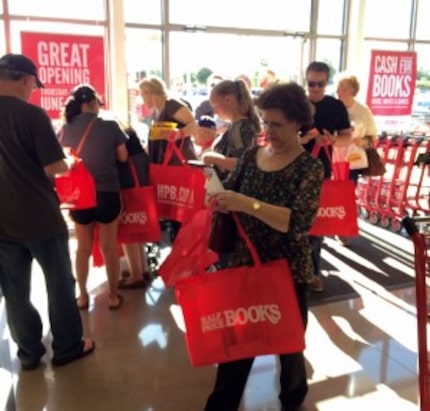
[
  {"x": 405, "y": 187},
  {"x": 421, "y": 240}
]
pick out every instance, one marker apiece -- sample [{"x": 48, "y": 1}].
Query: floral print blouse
[{"x": 296, "y": 186}]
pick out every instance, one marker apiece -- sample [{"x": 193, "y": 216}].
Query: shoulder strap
[{"x": 85, "y": 135}]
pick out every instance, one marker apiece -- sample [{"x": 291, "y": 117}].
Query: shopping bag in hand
[
  {"x": 139, "y": 220},
  {"x": 180, "y": 190},
  {"x": 337, "y": 212},
  {"x": 189, "y": 251},
  {"x": 241, "y": 312}
]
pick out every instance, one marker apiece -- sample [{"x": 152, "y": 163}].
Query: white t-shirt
[{"x": 362, "y": 120}]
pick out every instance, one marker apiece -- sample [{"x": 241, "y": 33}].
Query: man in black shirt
[
  {"x": 31, "y": 224},
  {"x": 332, "y": 127}
]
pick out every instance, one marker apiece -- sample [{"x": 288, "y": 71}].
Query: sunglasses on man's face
[{"x": 320, "y": 84}]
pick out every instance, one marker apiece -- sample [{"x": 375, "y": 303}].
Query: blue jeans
[{"x": 24, "y": 321}]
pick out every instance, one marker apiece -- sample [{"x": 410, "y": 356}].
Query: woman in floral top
[{"x": 276, "y": 203}]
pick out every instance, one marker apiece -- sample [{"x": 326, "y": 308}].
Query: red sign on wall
[
  {"x": 64, "y": 61},
  {"x": 392, "y": 82}
]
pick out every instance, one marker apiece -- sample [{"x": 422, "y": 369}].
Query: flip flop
[
  {"x": 81, "y": 354},
  {"x": 143, "y": 283},
  {"x": 120, "y": 301}
]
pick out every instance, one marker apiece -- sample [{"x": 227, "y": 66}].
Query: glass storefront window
[
  {"x": 2, "y": 39},
  {"x": 331, "y": 17},
  {"x": 45, "y": 27},
  {"x": 423, "y": 32},
  {"x": 143, "y": 53},
  {"x": 72, "y": 9},
  {"x": 423, "y": 67},
  {"x": 329, "y": 51},
  {"x": 388, "y": 19},
  {"x": 138, "y": 11},
  {"x": 250, "y": 55},
  {"x": 290, "y": 15}
]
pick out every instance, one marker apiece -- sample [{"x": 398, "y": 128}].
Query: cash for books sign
[
  {"x": 64, "y": 61},
  {"x": 391, "y": 82}
]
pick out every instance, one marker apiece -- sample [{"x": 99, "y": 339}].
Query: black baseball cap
[
  {"x": 84, "y": 93},
  {"x": 21, "y": 64},
  {"x": 208, "y": 122}
]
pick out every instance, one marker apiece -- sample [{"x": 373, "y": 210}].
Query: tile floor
[{"x": 361, "y": 355}]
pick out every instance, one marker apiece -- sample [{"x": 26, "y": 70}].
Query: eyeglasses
[{"x": 320, "y": 84}]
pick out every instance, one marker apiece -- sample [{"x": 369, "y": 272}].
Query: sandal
[{"x": 118, "y": 304}]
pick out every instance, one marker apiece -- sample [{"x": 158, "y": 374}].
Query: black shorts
[{"x": 107, "y": 210}]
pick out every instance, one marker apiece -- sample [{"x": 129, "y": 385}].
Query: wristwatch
[{"x": 256, "y": 205}]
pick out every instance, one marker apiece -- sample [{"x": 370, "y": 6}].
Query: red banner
[
  {"x": 64, "y": 61},
  {"x": 392, "y": 82}
]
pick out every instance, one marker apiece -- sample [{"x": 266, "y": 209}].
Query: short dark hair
[
  {"x": 290, "y": 99},
  {"x": 320, "y": 67}
]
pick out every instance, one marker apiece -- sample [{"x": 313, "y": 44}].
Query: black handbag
[{"x": 223, "y": 232}]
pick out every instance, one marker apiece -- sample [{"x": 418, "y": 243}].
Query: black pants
[
  {"x": 232, "y": 376},
  {"x": 316, "y": 245}
]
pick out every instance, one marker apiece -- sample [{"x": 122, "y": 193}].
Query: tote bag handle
[
  {"x": 205, "y": 244},
  {"x": 172, "y": 147}
]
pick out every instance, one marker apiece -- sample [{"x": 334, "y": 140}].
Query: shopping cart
[
  {"x": 419, "y": 230},
  {"x": 405, "y": 187}
]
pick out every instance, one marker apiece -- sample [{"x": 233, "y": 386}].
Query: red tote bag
[
  {"x": 139, "y": 219},
  {"x": 337, "y": 211},
  {"x": 180, "y": 190},
  {"x": 241, "y": 312},
  {"x": 189, "y": 250},
  {"x": 76, "y": 188}
]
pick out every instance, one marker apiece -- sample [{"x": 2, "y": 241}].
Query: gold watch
[{"x": 256, "y": 205}]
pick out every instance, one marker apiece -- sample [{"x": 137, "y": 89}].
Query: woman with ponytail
[
  {"x": 232, "y": 102},
  {"x": 104, "y": 146}
]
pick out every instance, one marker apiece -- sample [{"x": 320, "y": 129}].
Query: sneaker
[{"x": 316, "y": 284}]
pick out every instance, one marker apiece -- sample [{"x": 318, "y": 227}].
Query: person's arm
[
  {"x": 216, "y": 159},
  {"x": 343, "y": 138},
  {"x": 59, "y": 167},
  {"x": 184, "y": 116},
  {"x": 121, "y": 153},
  {"x": 302, "y": 210},
  {"x": 277, "y": 217}
]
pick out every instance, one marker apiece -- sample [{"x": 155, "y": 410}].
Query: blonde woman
[
  {"x": 232, "y": 102},
  {"x": 154, "y": 93}
]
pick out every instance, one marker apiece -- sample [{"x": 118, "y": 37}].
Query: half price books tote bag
[
  {"x": 180, "y": 190},
  {"x": 241, "y": 312},
  {"x": 337, "y": 212},
  {"x": 139, "y": 220},
  {"x": 76, "y": 188}
]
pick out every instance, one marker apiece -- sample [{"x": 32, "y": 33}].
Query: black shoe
[{"x": 30, "y": 365}]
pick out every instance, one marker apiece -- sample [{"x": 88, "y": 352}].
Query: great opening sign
[
  {"x": 64, "y": 61},
  {"x": 392, "y": 82}
]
